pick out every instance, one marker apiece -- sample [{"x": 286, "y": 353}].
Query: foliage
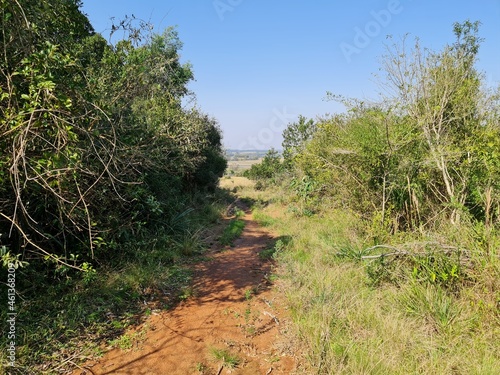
[
  {"x": 269, "y": 167},
  {"x": 232, "y": 232},
  {"x": 400, "y": 260},
  {"x": 97, "y": 146},
  {"x": 432, "y": 306},
  {"x": 294, "y": 138},
  {"x": 100, "y": 170},
  {"x": 426, "y": 153}
]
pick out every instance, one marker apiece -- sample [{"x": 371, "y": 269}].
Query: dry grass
[
  {"x": 241, "y": 165},
  {"x": 236, "y": 182}
]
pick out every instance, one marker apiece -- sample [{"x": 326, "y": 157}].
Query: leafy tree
[
  {"x": 268, "y": 168},
  {"x": 441, "y": 92},
  {"x": 93, "y": 134},
  {"x": 427, "y": 151},
  {"x": 294, "y": 138}
]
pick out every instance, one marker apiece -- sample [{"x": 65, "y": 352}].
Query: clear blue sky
[{"x": 258, "y": 64}]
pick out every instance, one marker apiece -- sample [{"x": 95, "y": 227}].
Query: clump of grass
[
  {"x": 431, "y": 303},
  {"x": 189, "y": 243},
  {"x": 232, "y": 232},
  {"x": 271, "y": 252},
  {"x": 267, "y": 254},
  {"x": 263, "y": 219},
  {"x": 229, "y": 360}
]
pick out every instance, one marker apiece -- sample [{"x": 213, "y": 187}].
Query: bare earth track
[{"x": 232, "y": 308}]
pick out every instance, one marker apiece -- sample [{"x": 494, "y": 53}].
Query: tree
[
  {"x": 268, "y": 168},
  {"x": 294, "y": 138},
  {"x": 441, "y": 92},
  {"x": 94, "y": 135}
]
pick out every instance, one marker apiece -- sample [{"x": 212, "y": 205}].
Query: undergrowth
[
  {"x": 421, "y": 303},
  {"x": 65, "y": 317},
  {"x": 233, "y": 230}
]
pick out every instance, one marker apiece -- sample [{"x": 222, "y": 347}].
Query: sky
[{"x": 259, "y": 64}]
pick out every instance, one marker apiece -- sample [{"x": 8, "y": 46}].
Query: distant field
[{"x": 241, "y": 165}]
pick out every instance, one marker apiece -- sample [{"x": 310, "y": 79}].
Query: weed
[
  {"x": 248, "y": 294},
  {"x": 238, "y": 213},
  {"x": 200, "y": 367},
  {"x": 278, "y": 247},
  {"x": 431, "y": 303},
  {"x": 232, "y": 232},
  {"x": 267, "y": 254},
  {"x": 229, "y": 360},
  {"x": 248, "y": 312},
  {"x": 128, "y": 340},
  {"x": 189, "y": 243},
  {"x": 187, "y": 293}
]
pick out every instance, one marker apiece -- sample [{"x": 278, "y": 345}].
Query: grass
[
  {"x": 352, "y": 318},
  {"x": 228, "y": 359},
  {"x": 232, "y": 232}
]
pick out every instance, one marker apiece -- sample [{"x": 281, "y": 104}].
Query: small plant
[
  {"x": 248, "y": 312},
  {"x": 189, "y": 243},
  {"x": 248, "y": 294},
  {"x": 200, "y": 367},
  {"x": 430, "y": 302},
  {"x": 232, "y": 232},
  {"x": 267, "y": 254},
  {"x": 187, "y": 292},
  {"x": 239, "y": 213},
  {"x": 124, "y": 342},
  {"x": 229, "y": 360},
  {"x": 351, "y": 252}
]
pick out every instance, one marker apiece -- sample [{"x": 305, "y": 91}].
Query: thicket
[
  {"x": 421, "y": 168},
  {"x": 102, "y": 166},
  {"x": 394, "y": 211},
  {"x": 97, "y": 148},
  {"x": 425, "y": 155}
]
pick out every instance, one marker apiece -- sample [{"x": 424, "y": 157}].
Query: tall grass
[{"x": 349, "y": 324}]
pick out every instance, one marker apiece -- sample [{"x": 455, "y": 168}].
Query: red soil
[{"x": 233, "y": 308}]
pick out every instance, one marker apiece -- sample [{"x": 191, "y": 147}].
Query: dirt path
[{"x": 232, "y": 311}]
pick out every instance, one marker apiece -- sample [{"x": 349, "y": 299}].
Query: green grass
[
  {"x": 411, "y": 315},
  {"x": 232, "y": 232},
  {"x": 263, "y": 219},
  {"x": 228, "y": 359}
]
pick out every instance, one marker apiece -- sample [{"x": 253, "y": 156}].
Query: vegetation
[
  {"x": 267, "y": 168},
  {"x": 394, "y": 213},
  {"x": 101, "y": 172},
  {"x": 229, "y": 360},
  {"x": 233, "y": 230},
  {"x": 389, "y": 214}
]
